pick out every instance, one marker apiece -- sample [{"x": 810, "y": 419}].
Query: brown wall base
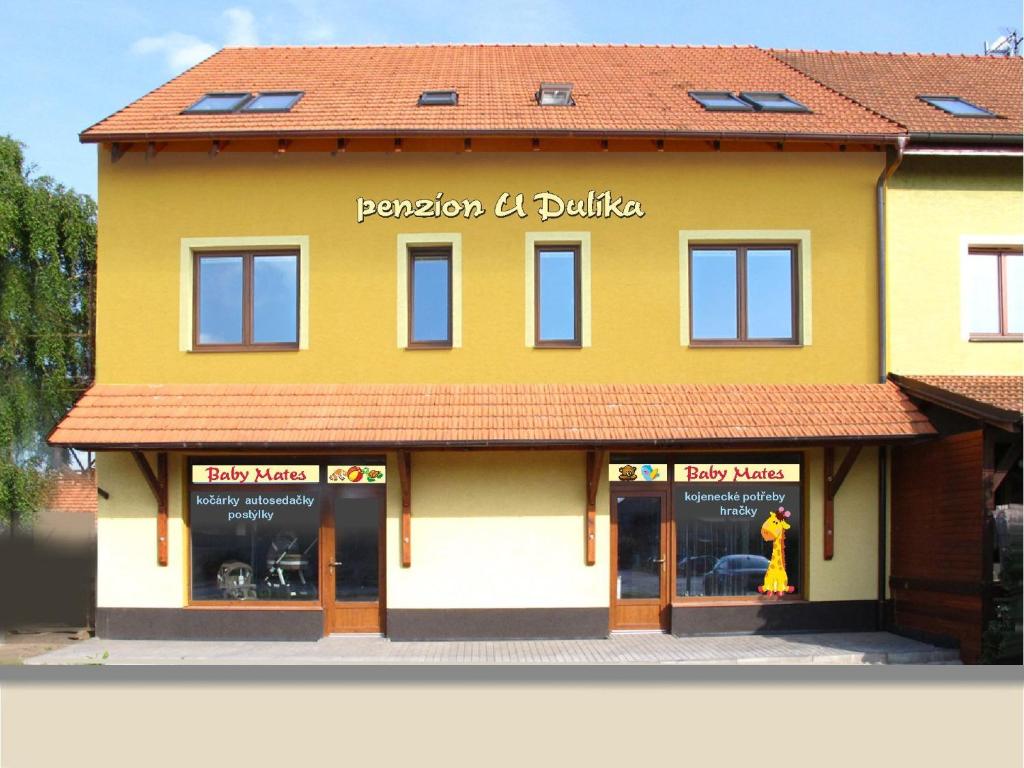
[
  {"x": 208, "y": 624},
  {"x": 828, "y": 616},
  {"x": 497, "y": 623}
]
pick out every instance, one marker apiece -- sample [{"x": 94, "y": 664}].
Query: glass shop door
[
  {"x": 640, "y": 557},
  {"x": 352, "y": 574}
]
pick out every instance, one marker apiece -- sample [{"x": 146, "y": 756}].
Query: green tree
[{"x": 47, "y": 269}]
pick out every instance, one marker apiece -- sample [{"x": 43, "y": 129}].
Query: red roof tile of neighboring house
[
  {"x": 73, "y": 492},
  {"x": 890, "y": 83},
  {"x": 618, "y": 90},
  {"x": 112, "y": 416},
  {"x": 992, "y": 396}
]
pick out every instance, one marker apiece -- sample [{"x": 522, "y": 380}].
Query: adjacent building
[{"x": 498, "y": 342}]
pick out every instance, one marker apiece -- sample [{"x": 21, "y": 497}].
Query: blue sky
[{"x": 68, "y": 64}]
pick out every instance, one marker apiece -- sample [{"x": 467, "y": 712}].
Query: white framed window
[
  {"x": 269, "y": 274},
  {"x": 731, "y": 282},
  {"x": 558, "y": 305},
  {"x": 429, "y": 290}
]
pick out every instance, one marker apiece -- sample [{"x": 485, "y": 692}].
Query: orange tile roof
[
  {"x": 120, "y": 416},
  {"x": 889, "y": 83},
  {"x": 618, "y": 90},
  {"x": 73, "y": 492},
  {"x": 1002, "y": 393}
]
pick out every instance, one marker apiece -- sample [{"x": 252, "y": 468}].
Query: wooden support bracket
[
  {"x": 153, "y": 149},
  {"x": 405, "y": 478},
  {"x": 158, "y": 485},
  {"x": 1005, "y": 465},
  {"x": 596, "y": 461},
  {"x": 117, "y": 150},
  {"x": 833, "y": 482}
]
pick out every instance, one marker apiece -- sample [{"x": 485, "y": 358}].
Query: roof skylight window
[
  {"x": 555, "y": 95},
  {"x": 954, "y": 105},
  {"x": 220, "y": 102},
  {"x": 442, "y": 98},
  {"x": 272, "y": 101},
  {"x": 772, "y": 102},
  {"x": 721, "y": 101}
]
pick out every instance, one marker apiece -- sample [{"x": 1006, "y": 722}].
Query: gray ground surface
[{"x": 831, "y": 648}]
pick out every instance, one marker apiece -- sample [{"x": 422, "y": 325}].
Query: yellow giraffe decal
[{"x": 776, "y": 582}]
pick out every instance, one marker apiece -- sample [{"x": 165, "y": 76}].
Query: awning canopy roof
[{"x": 122, "y": 417}]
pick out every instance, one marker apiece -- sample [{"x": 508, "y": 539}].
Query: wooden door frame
[
  {"x": 327, "y": 542},
  {"x": 662, "y": 491}
]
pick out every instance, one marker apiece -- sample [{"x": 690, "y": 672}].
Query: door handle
[
  {"x": 333, "y": 563},
  {"x": 658, "y": 560}
]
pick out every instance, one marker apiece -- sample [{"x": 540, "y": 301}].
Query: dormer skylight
[
  {"x": 954, "y": 105},
  {"x": 766, "y": 101},
  {"x": 443, "y": 98},
  {"x": 220, "y": 102},
  {"x": 721, "y": 101},
  {"x": 555, "y": 95},
  {"x": 272, "y": 101}
]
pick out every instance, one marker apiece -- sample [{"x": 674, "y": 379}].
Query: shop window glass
[
  {"x": 254, "y": 543},
  {"x": 246, "y": 301},
  {"x": 558, "y": 296},
  {"x": 721, "y": 550},
  {"x": 743, "y": 294},
  {"x": 994, "y": 286},
  {"x": 430, "y": 316}
]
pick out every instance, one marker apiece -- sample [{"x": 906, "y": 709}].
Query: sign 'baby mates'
[{"x": 547, "y": 206}]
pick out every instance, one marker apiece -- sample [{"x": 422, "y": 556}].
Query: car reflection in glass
[
  {"x": 735, "y": 575},
  {"x": 690, "y": 574}
]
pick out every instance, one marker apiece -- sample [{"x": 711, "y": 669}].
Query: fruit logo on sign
[{"x": 356, "y": 474}]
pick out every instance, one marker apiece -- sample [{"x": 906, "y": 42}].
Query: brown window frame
[
  {"x": 577, "y": 341},
  {"x": 247, "y": 344},
  {"x": 1001, "y": 253},
  {"x": 741, "y": 250},
  {"x": 428, "y": 253}
]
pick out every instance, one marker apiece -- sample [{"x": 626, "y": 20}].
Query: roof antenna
[{"x": 1007, "y": 45}]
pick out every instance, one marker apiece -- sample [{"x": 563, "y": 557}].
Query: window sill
[
  {"x": 713, "y": 602},
  {"x": 428, "y": 345},
  {"x": 252, "y": 348},
  {"x": 744, "y": 345},
  {"x": 557, "y": 345},
  {"x": 253, "y": 605},
  {"x": 997, "y": 339}
]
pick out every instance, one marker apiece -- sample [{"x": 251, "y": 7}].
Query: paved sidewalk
[{"x": 832, "y": 648}]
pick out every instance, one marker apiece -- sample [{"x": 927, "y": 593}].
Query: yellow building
[{"x": 525, "y": 341}]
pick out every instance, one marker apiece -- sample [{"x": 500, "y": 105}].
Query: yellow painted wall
[
  {"x": 852, "y": 573},
  {"x": 148, "y": 206},
  {"x": 127, "y": 574},
  {"x": 498, "y": 530},
  {"x": 934, "y": 205}
]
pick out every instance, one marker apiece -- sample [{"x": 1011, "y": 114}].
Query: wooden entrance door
[
  {"x": 640, "y": 559},
  {"x": 353, "y": 569}
]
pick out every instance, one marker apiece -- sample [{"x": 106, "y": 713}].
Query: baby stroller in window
[
  {"x": 234, "y": 579},
  {"x": 287, "y": 563}
]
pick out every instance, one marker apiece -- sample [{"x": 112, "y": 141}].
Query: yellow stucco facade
[
  {"x": 636, "y": 311},
  {"x": 937, "y": 209}
]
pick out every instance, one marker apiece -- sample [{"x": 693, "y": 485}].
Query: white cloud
[
  {"x": 316, "y": 27},
  {"x": 180, "y": 51},
  {"x": 241, "y": 27}
]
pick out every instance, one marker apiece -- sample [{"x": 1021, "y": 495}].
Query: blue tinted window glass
[
  {"x": 957, "y": 106},
  {"x": 274, "y": 299},
  {"x": 218, "y": 102},
  {"x": 1013, "y": 293},
  {"x": 769, "y": 294},
  {"x": 557, "y": 296},
  {"x": 220, "y": 300},
  {"x": 272, "y": 101},
  {"x": 713, "y": 292},
  {"x": 430, "y": 300}
]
